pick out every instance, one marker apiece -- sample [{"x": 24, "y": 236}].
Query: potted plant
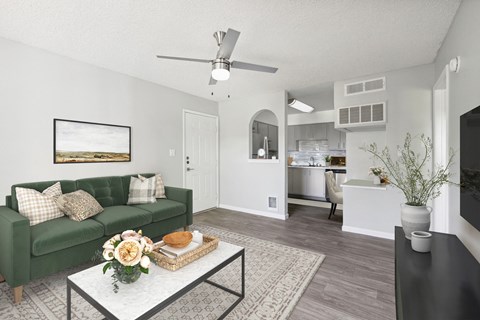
[
  {"x": 378, "y": 173},
  {"x": 327, "y": 159},
  {"x": 411, "y": 174}
]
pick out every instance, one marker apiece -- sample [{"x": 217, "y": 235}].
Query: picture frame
[{"x": 90, "y": 142}]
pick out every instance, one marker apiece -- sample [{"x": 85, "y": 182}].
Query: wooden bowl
[{"x": 179, "y": 239}]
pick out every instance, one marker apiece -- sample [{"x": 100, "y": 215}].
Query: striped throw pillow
[
  {"x": 37, "y": 206},
  {"x": 141, "y": 191}
]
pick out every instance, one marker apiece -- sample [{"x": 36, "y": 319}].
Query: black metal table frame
[{"x": 171, "y": 299}]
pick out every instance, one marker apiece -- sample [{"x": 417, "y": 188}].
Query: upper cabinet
[{"x": 317, "y": 131}]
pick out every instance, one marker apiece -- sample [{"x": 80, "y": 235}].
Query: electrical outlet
[{"x": 172, "y": 152}]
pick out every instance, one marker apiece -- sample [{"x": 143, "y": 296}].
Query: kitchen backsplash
[{"x": 304, "y": 157}]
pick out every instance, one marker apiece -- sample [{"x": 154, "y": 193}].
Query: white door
[
  {"x": 440, "y": 149},
  {"x": 200, "y": 159}
]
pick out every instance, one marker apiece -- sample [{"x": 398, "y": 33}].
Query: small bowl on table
[{"x": 179, "y": 239}]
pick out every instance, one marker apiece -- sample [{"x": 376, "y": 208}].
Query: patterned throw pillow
[
  {"x": 79, "y": 205},
  {"x": 159, "y": 186},
  {"x": 141, "y": 191},
  {"x": 37, "y": 206}
]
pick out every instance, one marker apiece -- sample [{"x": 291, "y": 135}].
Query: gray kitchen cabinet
[
  {"x": 315, "y": 183},
  {"x": 336, "y": 138},
  {"x": 290, "y": 180},
  {"x": 306, "y": 182},
  {"x": 273, "y": 138},
  {"x": 291, "y": 142},
  {"x": 298, "y": 184}
]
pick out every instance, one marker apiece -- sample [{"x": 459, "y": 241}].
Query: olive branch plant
[{"x": 410, "y": 172}]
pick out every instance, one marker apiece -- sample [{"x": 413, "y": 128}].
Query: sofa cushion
[
  {"x": 117, "y": 219},
  {"x": 141, "y": 191},
  {"x": 108, "y": 191},
  {"x": 62, "y": 233},
  {"x": 79, "y": 205},
  {"x": 38, "y": 206},
  {"x": 164, "y": 209},
  {"x": 66, "y": 185}
]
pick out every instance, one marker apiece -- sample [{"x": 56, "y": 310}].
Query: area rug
[{"x": 275, "y": 278}]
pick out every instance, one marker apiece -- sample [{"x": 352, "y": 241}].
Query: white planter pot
[
  {"x": 415, "y": 218},
  {"x": 376, "y": 180}
]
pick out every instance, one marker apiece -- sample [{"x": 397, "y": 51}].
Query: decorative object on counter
[
  {"x": 128, "y": 255},
  {"x": 411, "y": 175},
  {"x": 328, "y": 160},
  {"x": 179, "y": 239},
  {"x": 379, "y": 175},
  {"x": 290, "y": 160},
  {"x": 421, "y": 241}
]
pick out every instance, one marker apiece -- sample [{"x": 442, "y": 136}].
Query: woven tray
[{"x": 210, "y": 243}]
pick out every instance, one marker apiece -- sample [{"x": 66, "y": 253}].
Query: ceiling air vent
[{"x": 366, "y": 86}]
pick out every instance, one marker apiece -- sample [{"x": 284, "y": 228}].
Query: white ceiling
[{"x": 311, "y": 42}]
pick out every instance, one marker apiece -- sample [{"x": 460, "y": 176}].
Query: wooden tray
[{"x": 210, "y": 243}]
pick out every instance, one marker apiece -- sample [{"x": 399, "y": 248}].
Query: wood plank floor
[{"x": 356, "y": 280}]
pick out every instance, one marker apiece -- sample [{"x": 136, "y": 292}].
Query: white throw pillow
[
  {"x": 141, "y": 191},
  {"x": 159, "y": 186},
  {"x": 37, "y": 206}
]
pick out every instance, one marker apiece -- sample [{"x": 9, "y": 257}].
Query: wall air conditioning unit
[
  {"x": 366, "y": 86},
  {"x": 363, "y": 117}
]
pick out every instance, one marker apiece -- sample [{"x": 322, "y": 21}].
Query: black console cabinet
[{"x": 441, "y": 285}]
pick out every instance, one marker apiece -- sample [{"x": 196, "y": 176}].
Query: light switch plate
[{"x": 172, "y": 152}]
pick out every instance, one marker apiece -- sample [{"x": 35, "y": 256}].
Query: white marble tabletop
[{"x": 133, "y": 300}]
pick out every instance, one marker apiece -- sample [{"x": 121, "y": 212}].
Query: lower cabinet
[{"x": 306, "y": 182}]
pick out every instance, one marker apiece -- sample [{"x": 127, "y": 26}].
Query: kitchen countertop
[
  {"x": 323, "y": 168},
  {"x": 364, "y": 184}
]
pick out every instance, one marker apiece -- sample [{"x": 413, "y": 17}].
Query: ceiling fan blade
[
  {"x": 228, "y": 44},
  {"x": 212, "y": 81},
  {"x": 253, "y": 67},
  {"x": 184, "y": 59}
]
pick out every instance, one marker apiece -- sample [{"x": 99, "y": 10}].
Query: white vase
[
  {"x": 415, "y": 218},
  {"x": 376, "y": 180}
]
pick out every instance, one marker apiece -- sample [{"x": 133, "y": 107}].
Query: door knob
[{"x": 190, "y": 169}]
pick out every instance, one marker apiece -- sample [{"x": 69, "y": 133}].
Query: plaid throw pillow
[
  {"x": 79, "y": 205},
  {"x": 141, "y": 191},
  {"x": 39, "y": 207},
  {"x": 159, "y": 186}
]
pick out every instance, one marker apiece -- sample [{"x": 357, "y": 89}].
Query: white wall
[
  {"x": 310, "y": 118},
  {"x": 409, "y": 109},
  {"x": 462, "y": 40},
  {"x": 409, "y": 104},
  {"x": 37, "y": 86},
  {"x": 246, "y": 185}
]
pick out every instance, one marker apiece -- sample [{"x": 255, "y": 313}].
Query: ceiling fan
[{"x": 221, "y": 64}]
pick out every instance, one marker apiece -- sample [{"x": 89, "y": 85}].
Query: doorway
[
  {"x": 440, "y": 221},
  {"x": 201, "y": 159}
]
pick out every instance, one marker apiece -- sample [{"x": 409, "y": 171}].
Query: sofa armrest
[
  {"x": 14, "y": 247},
  {"x": 184, "y": 196}
]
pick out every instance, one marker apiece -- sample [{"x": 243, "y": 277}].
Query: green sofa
[{"x": 32, "y": 252}]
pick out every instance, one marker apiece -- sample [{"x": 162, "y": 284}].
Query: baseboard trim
[
  {"x": 368, "y": 232},
  {"x": 255, "y": 212}
]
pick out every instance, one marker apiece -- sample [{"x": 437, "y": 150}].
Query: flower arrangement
[
  {"x": 376, "y": 171},
  {"x": 411, "y": 173},
  {"x": 128, "y": 254}
]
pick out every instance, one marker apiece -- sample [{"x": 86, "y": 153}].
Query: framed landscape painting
[{"x": 86, "y": 142}]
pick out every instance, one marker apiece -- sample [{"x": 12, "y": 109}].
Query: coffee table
[{"x": 153, "y": 292}]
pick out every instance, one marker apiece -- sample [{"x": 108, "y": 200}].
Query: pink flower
[{"x": 131, "y": 235}]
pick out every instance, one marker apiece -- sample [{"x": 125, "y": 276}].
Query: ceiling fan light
[
  {"x": 220, "y": 70},
  {"x": 294, "y": 103},
  {"x": 220, "y": 74}
]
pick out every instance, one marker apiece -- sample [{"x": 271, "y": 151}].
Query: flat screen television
[{"x": 470, "y": 167}]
